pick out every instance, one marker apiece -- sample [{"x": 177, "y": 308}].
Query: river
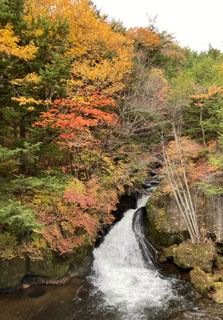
[{"x": 124, "y": 284}]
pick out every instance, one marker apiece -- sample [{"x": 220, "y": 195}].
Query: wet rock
[
  {"x": 165, "y": 225},
  {"x": 201, "y": 280},
  {"x": 12, "y": 272},
  {"x": 188, "y": 255},
  {"x": 80, "y": 261},
  {"x": 38, "y": 280},
  {"x": 167, "y": 253},
  {"x": 50, "y": 268},
  {"x": 36, "y": 292},
  {"x": 165, "y": 222}
]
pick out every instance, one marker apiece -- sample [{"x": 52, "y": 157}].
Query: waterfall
[{"x": 126, "y": 280}]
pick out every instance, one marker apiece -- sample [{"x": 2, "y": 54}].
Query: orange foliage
[
  {"x": 145, "y": 37},
  {"x": 102, "y": 57},
  {"x": 186, "y": 160},
  {"x": 200, "y": 170},
  {"x": 73, "y": 117},
  {"x": 74, "y": 220},
  {"x": 99, "y": 200},
  {"x": 199, "y": 99},
  {"x": 195, "y": 167},
  {"x": 190, "y": 149}
]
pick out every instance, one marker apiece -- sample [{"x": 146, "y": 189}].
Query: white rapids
[{"x": 120, "y": 271}]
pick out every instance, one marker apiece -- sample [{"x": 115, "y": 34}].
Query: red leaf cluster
[{"x": 75, "y": 114}]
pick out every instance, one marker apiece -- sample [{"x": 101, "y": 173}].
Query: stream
[{"x": 125, "y": 284}]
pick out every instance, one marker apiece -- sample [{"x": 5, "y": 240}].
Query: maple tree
[{"x": 74, "y": 120}]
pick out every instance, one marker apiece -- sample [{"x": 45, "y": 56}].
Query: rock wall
[
  {"x": 167, "y": 229},
  {"x": 166, "y": 225},
  {"x": 49, "y": 270}
]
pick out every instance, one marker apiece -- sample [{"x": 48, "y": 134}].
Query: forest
[{"x": 88, "y": 108}]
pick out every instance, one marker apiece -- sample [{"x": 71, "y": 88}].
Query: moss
[
  {"x": 50, "y": 267},
  {"x": 219, "y": 262},
  {"x": 188, "y": 255},
  {"x": 164, "y": 225},
  {"x": 80, "y": 262},
  {"x": 12, "y": 272},
  {"x": 201, "y": 280},
  {"x": 218, "y": 294},
  {"x": 167, "y": 253},
  {"x": 55, "y": 267}
]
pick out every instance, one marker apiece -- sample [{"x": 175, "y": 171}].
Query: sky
[{"x": 194, "y": 23}]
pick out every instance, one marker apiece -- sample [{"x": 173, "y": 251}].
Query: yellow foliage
[
  {"x": 23, "y": 101},
  {"x": 9, "y": 45},
  {"x": 212, "y": 91},
  {"x": 102, "y": 57},
  {"x": 145, "y": 37},
  {"x": 30, "y": 78}
]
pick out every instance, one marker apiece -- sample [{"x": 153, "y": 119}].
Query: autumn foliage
[
  {"x": 145, "y": 38},
  {"x": 84, "y": 103},
  {"x": 77, "y": 216},
  {"x": 73, "y": 115},
  {"x": 9, "y": 45}
]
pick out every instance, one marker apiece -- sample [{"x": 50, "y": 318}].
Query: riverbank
[{"x": 167, "y": 229}]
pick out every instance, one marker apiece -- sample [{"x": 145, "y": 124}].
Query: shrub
[{"x": 17, "y": 219}]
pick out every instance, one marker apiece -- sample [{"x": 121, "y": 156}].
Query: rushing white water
[{"x": 120, "y": 271}]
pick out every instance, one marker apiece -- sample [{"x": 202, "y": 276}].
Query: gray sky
[{"x": 194, "y": 23}]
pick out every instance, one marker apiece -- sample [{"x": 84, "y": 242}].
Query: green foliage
[
  {"x": 13, "y": 160},
  {"x": 210, "y": 190},
  {"x": 8, "y": 245},
  {"x": 17, "y": 219},
  {"x": 44, "y": 184},
  {"x": 216, "y": 159},
  {"x": 205, "y": 68},
  {"x": 11, "y": 11},
  {"x": 212, "y": 119}
]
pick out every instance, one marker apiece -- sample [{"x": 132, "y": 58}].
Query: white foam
[{"x": 120, "y": 273}]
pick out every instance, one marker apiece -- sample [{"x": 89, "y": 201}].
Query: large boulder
[
  {"x": 188, "y": 255},
  {"x": 167, "y": 253},
  {"x": 166, "y": 226},
  {"x": 218, "y": 292},
  {"x": 80, "y": 262},
  {"x": 219, "y": 262},
  {"x": 53, "y": 267},
  {"x": 201, "y": 280},
  {"x": 50, "y": 268}
]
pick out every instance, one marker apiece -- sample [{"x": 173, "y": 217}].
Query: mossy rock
[
  {"x": 165, "y": 224},
  {"x": 188, "y": 255},
  {"x": 219, "y": 262},
  {"x": 218, "y": 294},
  {"x": 201, "y": 280},
  {"x": 55, "y": 268},
  {"x": 80, "y": 261},
  {"x": 167, "y": 253},
  {"x": 12, "y": 272},
  {"x": 52, "y": 268}
]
